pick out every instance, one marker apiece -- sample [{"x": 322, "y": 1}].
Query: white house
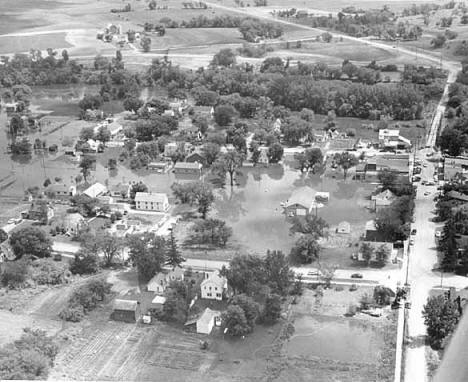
[
  {"x": 60, "y": 190},
  {"x": 391, "y": 138},
  {"x": 149, "y": 201},
  {"x": 160, "y": 281},
  {"x": 383, "y": 199},
  {"x": 208, "y": 320},
  {"x": 97, "y": 189},
  {"x": 213, "y": 287}
]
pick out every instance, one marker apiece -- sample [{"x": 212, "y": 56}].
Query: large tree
[
  {"x": 441, "y": 317},
  {"x": 31, "y": 241},
  {"x": 235, "y": 322},
  {"x": 272, "y": 309},
  {"x": 173, "y": 256},
  {"x": 198, "y": 193},
  {"x": 86, "y": 165},
  {"x": 452, "y": 140},
  {"x": 306, "y": 250},
  {"x": 345, "y": 160},
  {"x": 229, "y": 163},
  {"x": 308, "y": 224},
  {"x": 147, "y": 253},
  {"x": 225, "y": 57}
]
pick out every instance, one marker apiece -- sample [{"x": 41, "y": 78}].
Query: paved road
[{"x": 422, "y": 276}]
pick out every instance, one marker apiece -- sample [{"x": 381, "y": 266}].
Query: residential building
[
  {"x": 208, "y": 320},
  {"x": 97, "y": 189},
  {"x": 391, "y": 138},
  {"x": 120, "y": 190},
  {"x": 161, "y": 280},
  {"x": 159, "y": 167},
  {"x": 375, "y": 245},
  {"x": 73, "y": 222},
  {"x": 126, "y": 310},
  {"x": 196, "y": 156},
  {"x": 60, "y": 191},
  {"x": 149, "y": 201},
  {"x": 214, "y": 287},
  {"x": 41, "y": 210},
  {"x": 188, "y": 168},
  {"x": 399, "y": 164},
  {"x": 301, "y": 202},
  {"x": 382, "y": 199},
  {"x": 342, "y": 144}
]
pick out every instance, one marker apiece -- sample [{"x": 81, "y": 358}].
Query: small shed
[
  {"x": 158, "y": 303},
  {"x": 208, "y": 320},
  {"x": 344, "y": 227},
  {"x": 126, "y": 311}
]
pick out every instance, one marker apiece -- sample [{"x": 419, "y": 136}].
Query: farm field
[{"x": 26, "y": 43}]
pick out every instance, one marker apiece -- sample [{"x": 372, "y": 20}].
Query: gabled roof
[
  {"x": 215, "y": 279},
  {"x": 129, "y": 305},
  {"x": 159, "y": 300},
  {"x": 207, "y": 316},
  {"x": 457, "y": 195},
  {"x": 188, "y": 165},
  {"x": 303, "y": 196},
  {"x": 177, "y": 272},
  {"x": 151, "y": 197},
  {"x": 95, "y": 190}
]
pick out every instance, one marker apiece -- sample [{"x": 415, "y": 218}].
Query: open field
[{"x": 26, "y": 43}]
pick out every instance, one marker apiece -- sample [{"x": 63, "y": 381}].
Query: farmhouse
[
  {"x": 214, "y": 287},
  {"x": 208, "y": 320},
  {"x": 149, "y": 201},
  {"x": 126, "y": 311},
  {"x": 188, "y": 168},
  {"x": 97, "y": 189},
  {"x": 60, "y": 191},
  {"x": 158, "y": 303}
]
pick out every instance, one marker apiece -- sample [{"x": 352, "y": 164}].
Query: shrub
[
  {"x": 84, "y": 264},
  {"x": 49, "y": 273},
  {"x": 85, "y": 299},
  {"x": 15, "y": 273}
]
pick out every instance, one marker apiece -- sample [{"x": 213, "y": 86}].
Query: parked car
[
  {"x": 430, "y": 183},
  {"x": 411, "y": 242},
  {"x": 356, "y": 276},
  {"x": 413, "y": 231}
]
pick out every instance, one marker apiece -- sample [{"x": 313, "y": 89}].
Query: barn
[{"x": 126, "y": 311}]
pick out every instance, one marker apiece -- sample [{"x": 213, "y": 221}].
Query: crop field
[{"x": 25, "y": 43}]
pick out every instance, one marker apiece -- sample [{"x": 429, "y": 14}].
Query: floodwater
[
  {"x": 336, "y": 339},
  {"x": 254, "y": 212}
]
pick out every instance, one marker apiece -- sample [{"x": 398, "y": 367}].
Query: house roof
[
  {"x": 370, "y": 225},
  {"x": 303, "y": 196},
  {"x": 95, "y": 190},
  {"x": 157, "y": 278},
  {"x": 188, "y": 165},
  {"x": 386, "y": 133},
  {"x": 158, "y": 164},
  {"x": 58, "y": 187},
  {"x": 207, "y": 316},
  {"x": 386, "y": 195},
  {"x": 151, "y": 197},
  {"x": 129, "y": 305},
  {"x": 342, "y": 144},
  {"x": 457, "y": 195},
  {"x": 177, "y": 272},
  {"x": 73, "y": 219},
  {"x": 216, "y": 279},
  {"x": 344, "y": 226},
  {"x": 159, "y": 300}
]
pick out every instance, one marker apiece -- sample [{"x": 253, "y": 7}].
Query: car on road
[
  {"x": 416, "y": 178},
  {"x": 427, "y": 193},
  {"x": 356, "y": 276},
  {"x": 423, "y": 182},
  {"x": 11, "y": 221},
  {"x": 429, "y": 154},
  {"x": 411, "y": 242},
  {"x": 417, "y": 170},
  {"x": 414, "y": 231},
  {"x": 424, "y": 164},
  {"x": 438, "y": 234},
  {"x": 430, "y": 183},
  {"x": 314, "y": 273}
]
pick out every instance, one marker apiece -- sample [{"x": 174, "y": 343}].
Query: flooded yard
[
  {"x": 253, "y": 207},
  {"x": 344, "y": 340}
]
